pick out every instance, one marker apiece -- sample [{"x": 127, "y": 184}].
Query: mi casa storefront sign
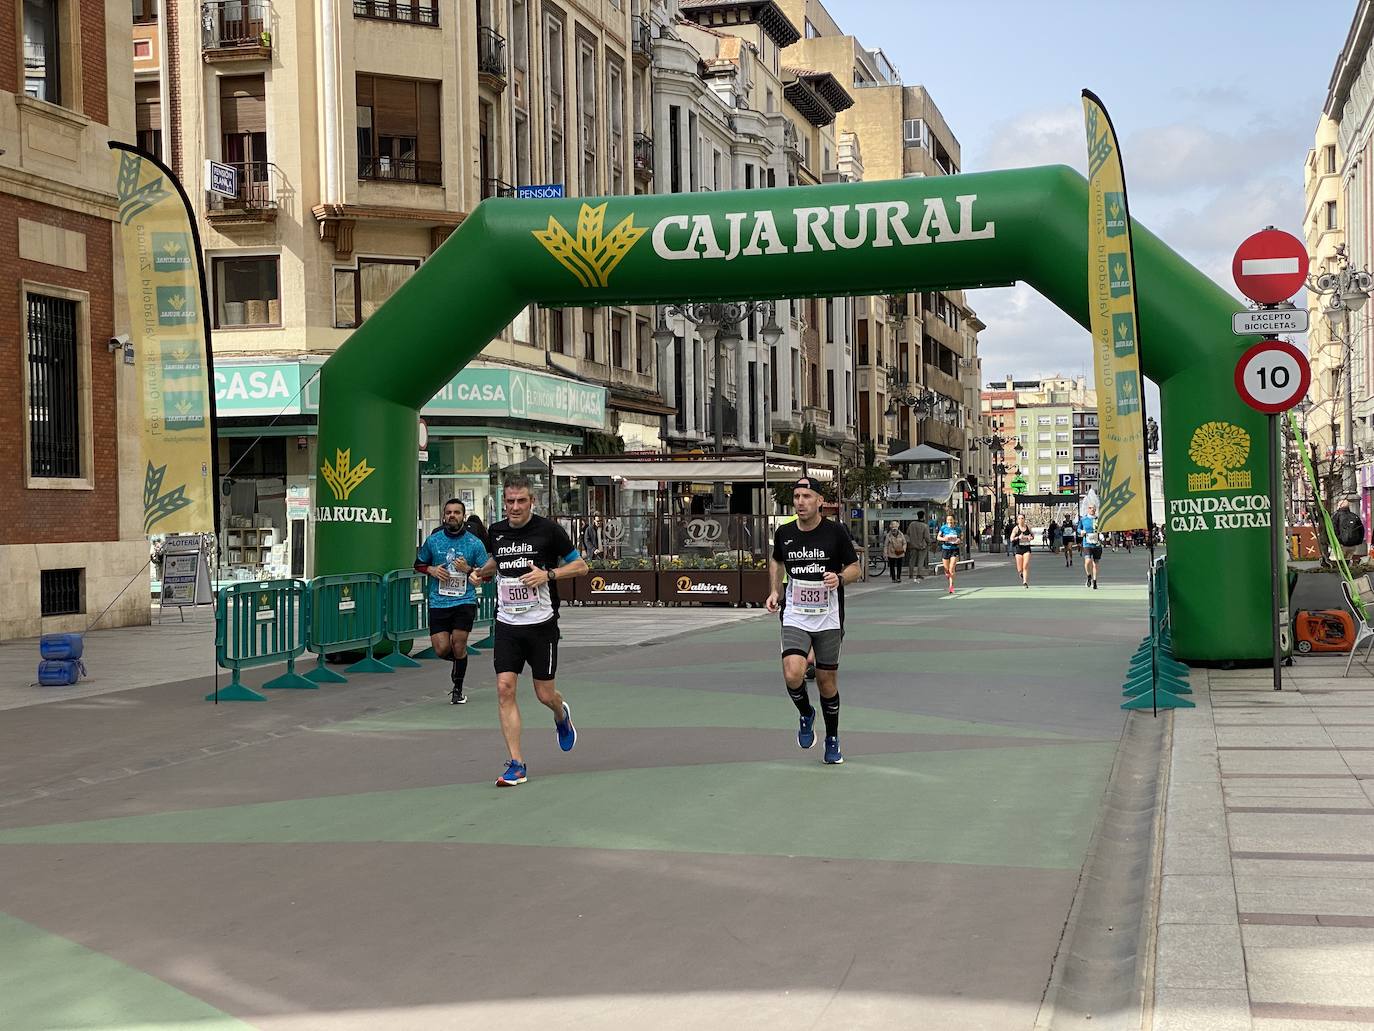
[{"x": 275, "y": 388}]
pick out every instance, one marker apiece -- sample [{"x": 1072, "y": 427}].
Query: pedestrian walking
[
  {"x": 530, "y": 554},
  {"x": 918, "y": 548},
  {"x": 1022, "y": 540},
  {"x": 1092, "y": 545},
  {"x": 1349, "y": 528},
  {"x": 478, "y": 530},
  {"x": 1053, "y": 529},
  {"x": 447, "y": 556},
  {"x": 950, "y": 537},
  {"x": 818, "y": 559},
  {"x": 894, "y": 550},
  {"x": 591, "y": 539},
  {"x": 1069, "y": 533}
]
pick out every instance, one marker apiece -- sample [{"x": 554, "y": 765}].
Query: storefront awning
[{"x": 702, "y": 468}]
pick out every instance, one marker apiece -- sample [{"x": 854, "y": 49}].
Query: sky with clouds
[{"x": 1215, "y": 102}]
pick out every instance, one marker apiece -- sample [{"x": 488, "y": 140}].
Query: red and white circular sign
[
  {"x": 1270, "y": 266},
  {"x": 1273, "y": 376}
]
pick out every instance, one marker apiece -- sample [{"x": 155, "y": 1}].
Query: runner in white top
[{"x": 819, "y": 559}]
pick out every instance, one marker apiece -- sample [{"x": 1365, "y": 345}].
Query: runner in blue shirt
[
  {"x": 447, "y": 556},
  {"x": 1092, "y": 545},
  {"x": 949, "y": 537}
]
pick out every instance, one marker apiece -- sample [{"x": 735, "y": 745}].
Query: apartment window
[
  {"x": 693, "y": 152},
  {"x": 715, "y": 170},
  {"x": 558, "y": 331},
  {"x": 770, "y": 102},
  {"x": 143, "y": 50},
  {"x": 555, "y": 88},
  {"x": 243, "y": 125},
  {"x": 1331, "y": 214},
  {"x": 1330, "y": 154},
  {"x": 423, "y": 12},
  {"x": 1045, "y": 470},
  {"x": 811, "y": 32},
  {"x": 753, "y": 408},
  {"x": 43, "y": 66},
  {"x": 360, "y": 291},
  {"x": 1061, "y": 420},
  {"x": 145, "y": 11},
  {"x": 1061, "y": 436},
  {"x": 53, "y": 328},
  {"x": 830, "y": 394},
  {"x": 773, "y": 379},
  {"x": 675, "y": 149},
  {"x": 589, "y": 334},
  {"x": 615, "y": 112},
  {"x": 586, "y": 106},
  {"x": 1044, "y": 420},
  {"x": 1044, "y": 438},
  {"x": 60, "y": 592},
  {"x": 398, "y": 130},
  {"x": 618, "y": 341},
  {"x": 1061, "y": 453},
  {"x": 643, "y": 348},
  {"x": 915, "y": 134},
  {"x": 148, "y": 117},
  {"x": 246, "y": 291}
]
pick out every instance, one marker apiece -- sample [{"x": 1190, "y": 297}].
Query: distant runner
[
  {"x": 1092, "y": 545},
  {"x": 529, "y": 555},
  {"x": 1022, "y": 538},
  {"x": 1070, "y": 535},
  {"x": 949, "y": 537},
  {"x": 818, "y": 558}
]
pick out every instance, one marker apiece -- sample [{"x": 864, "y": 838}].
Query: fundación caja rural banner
[
  {"x": 163, "y": 280},
  {"x": 1123, "y": 482}
]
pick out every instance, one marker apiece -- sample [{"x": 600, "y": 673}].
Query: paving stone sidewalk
[{"x": 1266, "y": 917}]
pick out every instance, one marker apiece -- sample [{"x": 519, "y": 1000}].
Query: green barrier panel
[
  {"x": 257, "y": 624},
  {"x": 882, "y": 237},
  {"x": 405, "y": 614},
  {"x": 1154, "y": 678},
  {"x": 345, "y": 614},
  {"x": 486, "y": 614}
]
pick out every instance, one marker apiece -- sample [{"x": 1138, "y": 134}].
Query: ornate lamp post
[
  {"x": 1345, "y": 291},
  {"x": 717, "y": 322},
  {"x": 997, "y": 445}
]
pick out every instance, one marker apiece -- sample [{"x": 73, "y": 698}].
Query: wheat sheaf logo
[
  {"x": 591, "y": 255},
  {"x": 1221, "y": 448},
  {"x": 342, "y": 476}
]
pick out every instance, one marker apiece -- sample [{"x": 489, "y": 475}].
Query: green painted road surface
[{"x": 341, "y": 859}]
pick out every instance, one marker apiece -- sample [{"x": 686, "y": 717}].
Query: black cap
[{"x": 808, "y": 483}]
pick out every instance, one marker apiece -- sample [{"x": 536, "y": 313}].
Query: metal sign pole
[{"x": 1275, "y": 546}]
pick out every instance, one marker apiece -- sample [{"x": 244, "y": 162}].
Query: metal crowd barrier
[
  {"x": 345, "y": 614},
  {"x": 405, "y": 615},
  {"x": 258, "y": 624}
]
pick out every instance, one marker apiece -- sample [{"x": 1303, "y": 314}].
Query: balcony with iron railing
[
  {"x": 386, "y": 169},
  {"x": 412, "y": 12},
  {"x": 491, "y": 58},
  {"x": 496, "y": 188},
  {"x": 260, "y": 189},
  {"x": 644, "y": 157},
  {"x": 236, "y": 30},
  {"x": 642, "y": 41}
]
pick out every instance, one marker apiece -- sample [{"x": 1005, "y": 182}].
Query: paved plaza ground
[{"x": 341, "y": 859}]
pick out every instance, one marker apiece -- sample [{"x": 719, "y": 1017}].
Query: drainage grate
[{"x": 59, "y": 592}]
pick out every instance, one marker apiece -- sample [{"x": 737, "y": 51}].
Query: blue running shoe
[
  {"x": 806, "y": 732},
  {"x": 567, "y": 733},
  {"x": 515, "y": 774},
  {"x": 832, "y": 751}
]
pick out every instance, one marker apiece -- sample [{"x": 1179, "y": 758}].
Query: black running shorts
[
  {"x": 536, "y": 645},
  {"x": 1023, "y": 549},
  {"x": 452, "y": 618},
  {"x": 1094, "y": 552}
]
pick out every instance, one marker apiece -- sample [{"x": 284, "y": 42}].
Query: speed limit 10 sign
[{"x": 1273, "y": 376}]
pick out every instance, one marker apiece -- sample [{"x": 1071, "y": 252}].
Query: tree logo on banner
[
  {"x": 342, "y": 476},
  {"x": 1221, "y": 448},
  {"x": 590, "y": 255}
]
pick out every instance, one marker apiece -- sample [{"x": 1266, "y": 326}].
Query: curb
[{"x": 1103, "y": 970}]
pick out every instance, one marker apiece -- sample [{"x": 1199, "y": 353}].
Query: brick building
[{"x": 70, "y": 533}]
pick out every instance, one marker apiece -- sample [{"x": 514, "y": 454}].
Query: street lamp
[
  {"x": 997, "y": 445},
  {"x": 717, "y": 322},
  {"x": 1345, "y": 291}
]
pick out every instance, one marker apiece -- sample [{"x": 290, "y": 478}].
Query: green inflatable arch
[{"x": 948, "y": 232}]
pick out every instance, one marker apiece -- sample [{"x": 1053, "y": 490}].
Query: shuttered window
[
  {"x": 398, "y": 130},
  {"x": 148, "y": 117},
  {"x": 242, "y": 104}
]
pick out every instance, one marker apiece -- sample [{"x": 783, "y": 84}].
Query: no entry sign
[
  {"x": 1273, "y": 376},
  {"x": 1270, "y": 266}
]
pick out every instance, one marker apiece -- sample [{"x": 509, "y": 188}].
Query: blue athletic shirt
[
  {"x": 440, "y": 549},
  {"x": 1087, "y": 526},
  {"x": 950, "y": 537}
]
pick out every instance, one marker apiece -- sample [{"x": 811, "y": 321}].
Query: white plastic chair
[{"x": 1364, "y": 626}]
